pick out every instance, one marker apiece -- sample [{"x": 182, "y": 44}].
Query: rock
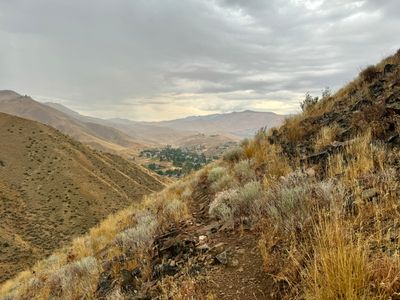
[
  {"x": 360, "y": 105},
  {"x": 389, "y": 68},
  {"x": 376, "y": 89},
  {"x": 241, "y": 251},
  {"x": 316, "y": 158},
  {"x": 128, "y": 281},
  {"x": 310, "y": 172},
  {"x": 218, "y": 248},
  {"x": 369, "y": 194},
  {"x": 136, "y": 272},
  {"x": 234, "y": 262},
  {"x": 126, "y": 275},
  {"x": 203, "y": 248},
  {"x": 222, "y": 258},
  {"x": 104, "y": 286},
  {"x": 240, "y": 269},
  {"x": 195, "y": 270},
  {"x": 202, "y": 239},
  {"x": 162, "y": 270},
  {"x": 394, "y": 139}
]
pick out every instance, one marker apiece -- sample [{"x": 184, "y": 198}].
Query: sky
[{"x": 166, "y": 59}]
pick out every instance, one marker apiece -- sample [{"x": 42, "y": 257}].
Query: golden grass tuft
[
  {"x": 339, "y": 267},
  {"x": 325, "y": 137}
]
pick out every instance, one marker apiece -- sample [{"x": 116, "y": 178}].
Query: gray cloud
[{"x": 149, "y": 59}]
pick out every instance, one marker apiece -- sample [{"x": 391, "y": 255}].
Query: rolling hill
[
  {"x": 240, "y": 125},
  {"x": 53, "y": 188},
  {"x": 98, "y": 136}
]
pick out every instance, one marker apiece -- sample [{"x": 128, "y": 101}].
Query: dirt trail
[{"x": 243, "y": 276}]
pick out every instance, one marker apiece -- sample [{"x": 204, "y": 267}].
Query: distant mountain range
[
  {"x": 127, "y": 137},
  {"x": 236, "y": 124}
]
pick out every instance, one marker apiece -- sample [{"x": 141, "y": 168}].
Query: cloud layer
[{"x": 152, "y": 60}]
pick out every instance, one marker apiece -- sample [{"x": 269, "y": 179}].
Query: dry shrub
[
  {"x": 293, "y": 129},
  {"x": 174, "y": 210},
  {"x": 385, "y": 274},
  {"x": 224, "y": 182},
  {"x": 297, "y": 200},
  {"x": 369, "y": 73},
  {"x": 221, "y": 208},
  {"x": 233, "y": 155},
  {"x": 246, "y": 198},
  {"x": 139, "y": 236},
  {"x": 325, "y": 137},
  {"x": 216, "y": 173},
  {"x": 244, "y": 170},
  {"x": 356, "y": 159}
]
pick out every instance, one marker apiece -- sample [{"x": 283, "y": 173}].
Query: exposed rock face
[{"x": 351, "y": 113}]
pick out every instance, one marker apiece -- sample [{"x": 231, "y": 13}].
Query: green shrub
[
  {"x": 221, "y": 207},
  {"x": 247, "y": 196},
  {"x": 244, "y": 171},
  {"x": 296, "y": 200},
  {"x": 308, "y": 102},
  {"x": 141, "y": 234},
  {"x": 233, "y": 155},
  {"x": 222, "y": 183},
  {"x": 215, "y": 173}
]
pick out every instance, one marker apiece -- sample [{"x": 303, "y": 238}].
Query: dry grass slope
[{"x": 53, "y": 188}]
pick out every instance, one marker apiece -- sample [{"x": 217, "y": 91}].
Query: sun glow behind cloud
[{"x": 153, "y": 60}]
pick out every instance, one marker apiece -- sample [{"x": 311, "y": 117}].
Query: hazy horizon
[{"x": 162, "y": 60}]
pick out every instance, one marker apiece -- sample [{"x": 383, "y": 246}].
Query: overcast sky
[{"x": 163, "y": 59}]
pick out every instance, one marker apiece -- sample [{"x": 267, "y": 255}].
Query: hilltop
[
  {"x": 53, "y": 188},
  {"x": 308, "y": 210},
  {"x": 99, "y": 136},
  {"x": 127, "y": 138},
  {"x": 236, "y": 125}
]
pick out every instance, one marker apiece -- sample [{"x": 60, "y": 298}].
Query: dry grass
[
  {"x": 339, "y": 267},
  {"x": 325, "y": 137},
  {"x": 73, "y": 272}
]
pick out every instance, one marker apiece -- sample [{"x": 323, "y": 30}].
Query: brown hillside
[
  {"x": 53, "y": 188},
  {"x": 98, "y": 136}
]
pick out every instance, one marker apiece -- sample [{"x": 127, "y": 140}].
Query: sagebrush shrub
[
  {"x": 233, "y": 155},
  {"x": 141, "y": 234},
  {"x": 215, "y": 173},
  {"x": 244, "y": 170},
  {"x": 222, "y": 183},
  {"x": 247, "y": 195},
  {"x": 221, "y": 207}
]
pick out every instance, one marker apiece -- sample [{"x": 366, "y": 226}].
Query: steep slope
[
  {"x": 307, "y": 211},
  {"x": 98, "y": 136},
  {"x": 53, "y": 188}
]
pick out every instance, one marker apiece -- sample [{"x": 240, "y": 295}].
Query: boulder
[
  {"x": 222, "y": 258},
  {"x": 389, "y": 68}
]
